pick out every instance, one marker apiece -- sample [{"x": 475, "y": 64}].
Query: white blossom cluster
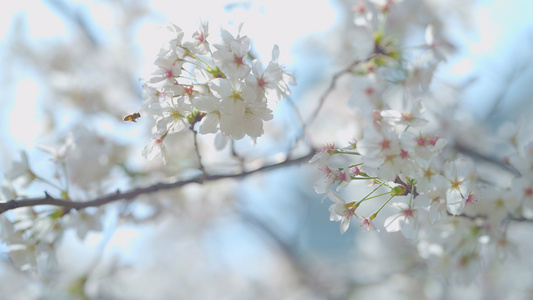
[
  {"x": 216, "y": 85},
  {"x": 420, "y": 185},
  {"x": 82, "y": 166}
]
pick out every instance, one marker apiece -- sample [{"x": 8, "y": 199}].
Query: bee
[{"x": 133, "y": 117}]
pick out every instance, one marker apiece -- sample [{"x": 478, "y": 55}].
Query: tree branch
[
  {"x": 49, "y": 200},
  {"x": 197, "y": 150},
  {"x": 325, "y": 95},
  {"x": 77, "y": 18},
  {"x": 480, "y": 156}
]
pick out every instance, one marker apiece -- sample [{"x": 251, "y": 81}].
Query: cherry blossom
[
  {"x": 156, "y": 148},
  {"x": 341, "y": 211},
  {"x": 220, "y": 91},
  {"x": 412, "y": 117},
  {"x": 458, "y": 174},
  {"x": 367, "y": 224},
  {"x": 211, "y": 105},
  {"x": 231, "y": 56},
  {"x": 200, "y": 44},
  {"x": 169, "y": 67},
  {"x": 405, "y": 221},
  {"x": 377, "y": 144},
  {"x": 171, "y": 115},
  {"x": 323, "y": 153}
]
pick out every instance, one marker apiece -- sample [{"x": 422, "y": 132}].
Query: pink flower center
[
  {"x": 169, "y": 74},
  {"x": 342, "y": 177},
  {"x": 407, "y": 116},
  {"x": 261, "y": 82},
  {"x": 408, "y": 213},
  {"x": 528, "y": 192},
  {"x": 385, "y": 144},
  {"x": 349, "y": 213},
  {"x": 327, "y": 148},
  {"x": 355, "y": 171},
  {"x": 189, "y": 90},
  {"x": 404, "y": 154},
  {"x": 365, "y": 224},
  {"x": 238, "y": 60},
  {"x": 377, "y": 115},
  {"x": 433, "y": 141},
  {"x": 472, "y": 198},
  {"x": 201, "y": 38},
  {"x": 325, "y": 170}
]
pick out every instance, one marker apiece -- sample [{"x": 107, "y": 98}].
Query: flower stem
[
  {"x": 377, "y": 212},
  {"x": 367, "y": 196},
  {"x": 49, "y": 183}
]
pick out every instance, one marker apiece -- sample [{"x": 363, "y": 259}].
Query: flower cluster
[
  {"x": 439, "y": 198},
  {"x": 420, "y": 185},
  {"x": 216, "y": 85},
  {"x": 81, "y": 163}
]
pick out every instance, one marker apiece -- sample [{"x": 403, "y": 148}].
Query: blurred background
[{"x": 74, "y": 66}]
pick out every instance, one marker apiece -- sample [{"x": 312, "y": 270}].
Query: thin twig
[
  {"x": 331, "y": 87},
  {"x": 300, "y": 119},
  {"x": 324, "y": 96},
  {"x": 518, "y": 219},
  {"x": 236, "y": 155},
  {"x": 296, "y": 110},
  {"x": 197, "y": 150},
  {"x": 510, "y": 218},
  {"x": 477, "y": 155},
  {"x": 67, "y": 204},
  {"x": 504, "y": 92},
  {"x": 77, "y": 18}
]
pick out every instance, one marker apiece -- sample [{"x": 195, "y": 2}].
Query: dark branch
[
  {"x": 480, "y": 156},
  {"x": 197, "y": 150},
  {"x": 67, "y": 204}
]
